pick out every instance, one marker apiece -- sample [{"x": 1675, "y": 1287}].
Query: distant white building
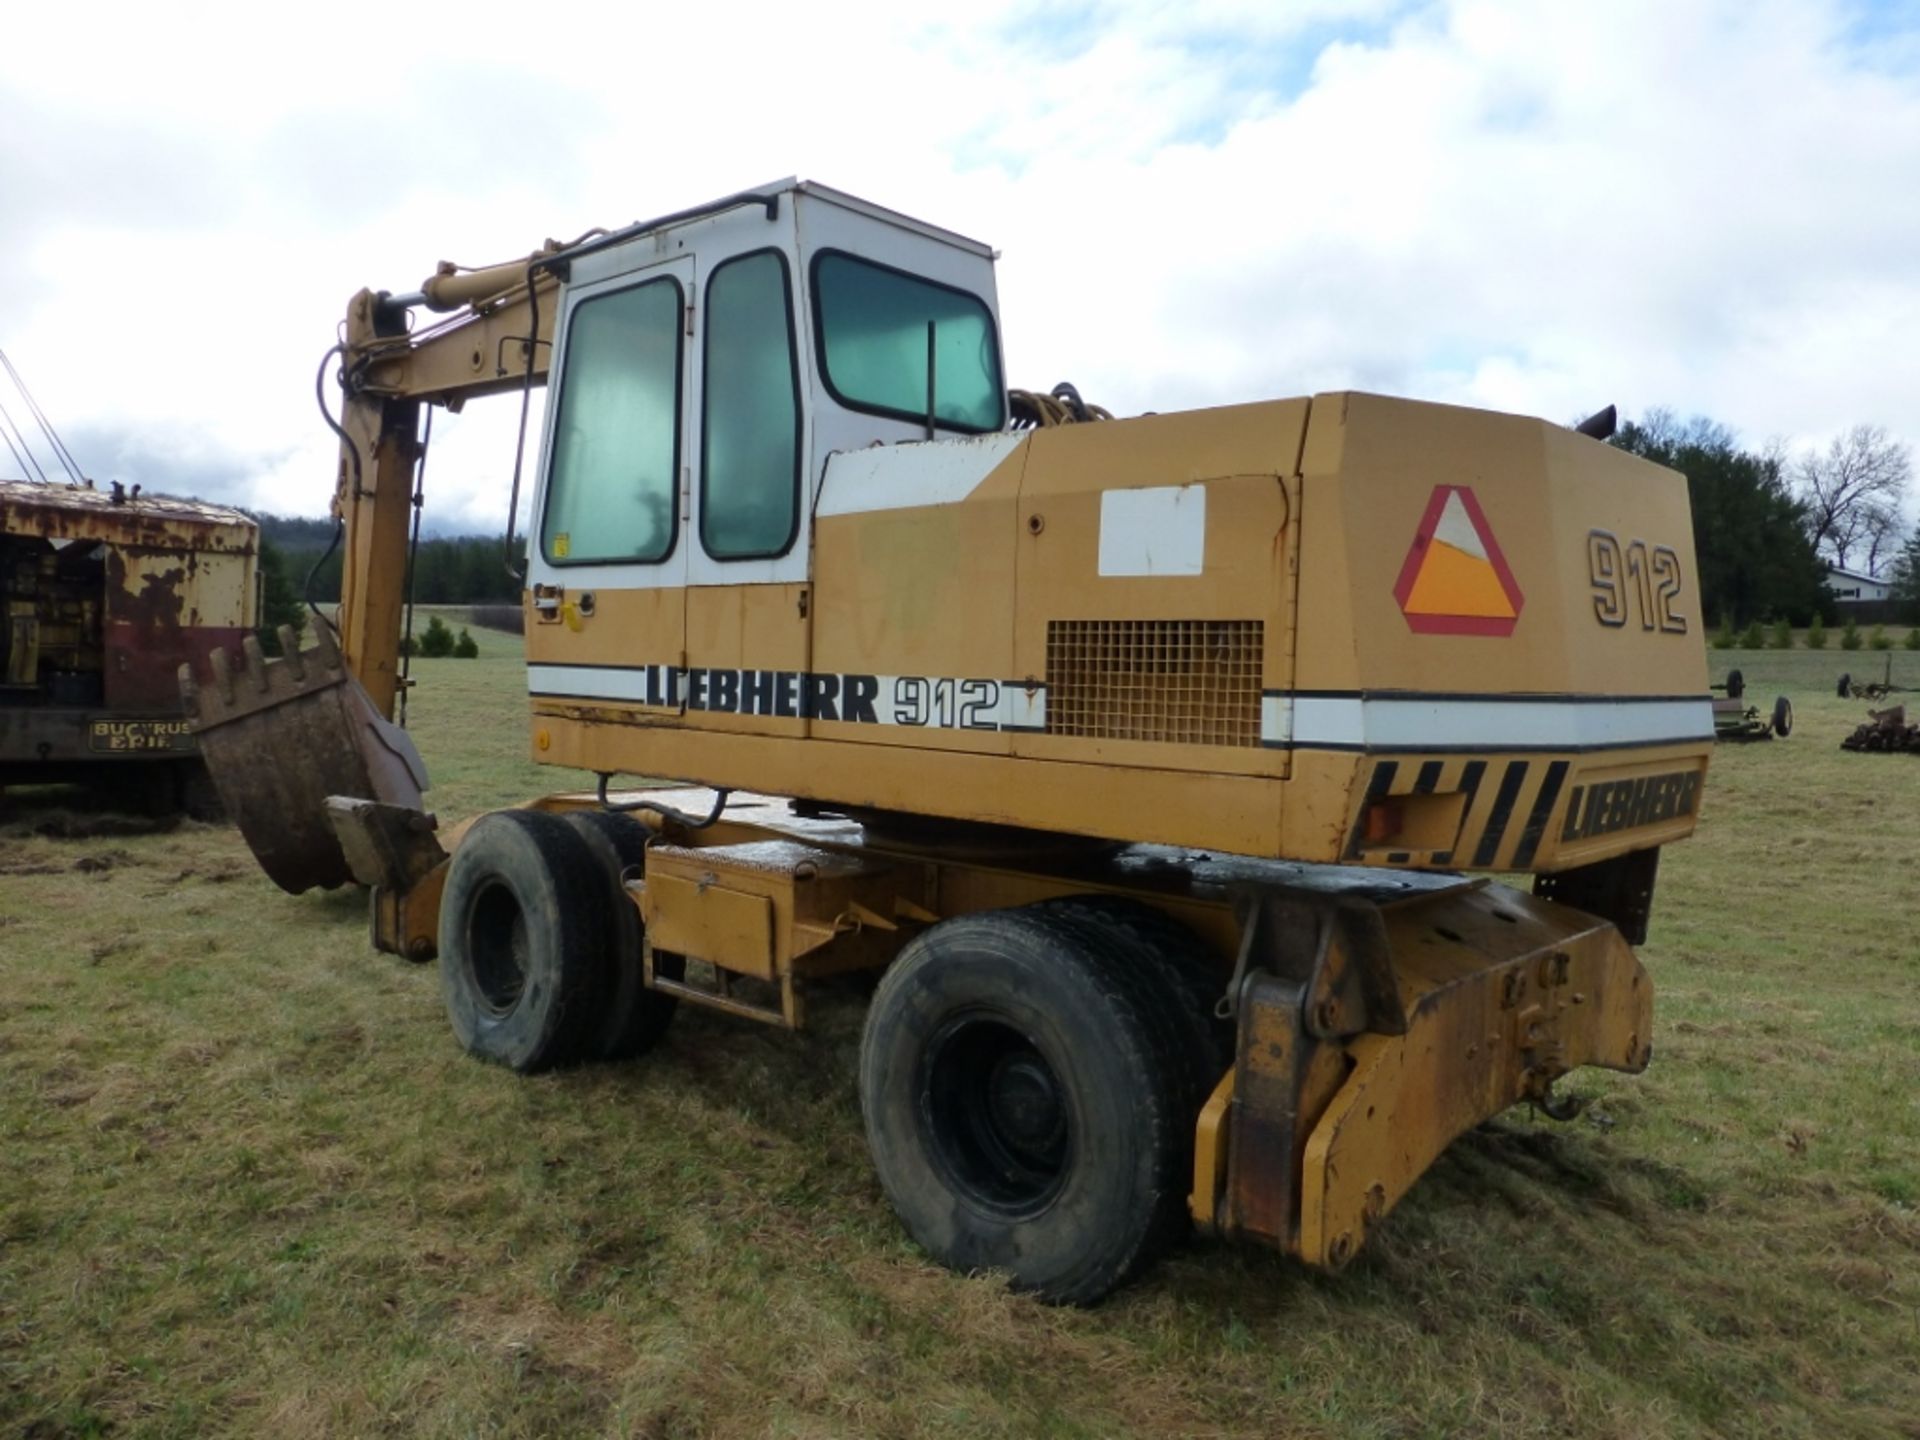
[{"x": 1851, "y": 588}]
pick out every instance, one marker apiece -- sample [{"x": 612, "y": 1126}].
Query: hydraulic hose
[{"x": 678, "y": 817}]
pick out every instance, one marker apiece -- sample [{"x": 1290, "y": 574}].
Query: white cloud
[{"x": 1538, "y": 207}]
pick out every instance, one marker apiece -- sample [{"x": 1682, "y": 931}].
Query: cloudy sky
[{"x": 1539, "y": 207}]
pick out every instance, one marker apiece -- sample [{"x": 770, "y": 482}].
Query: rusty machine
[
  {"x": 107, "y": 594},
  {"x": 1848, "y": 688},
  {"x": 1884, "y": 731},
  {"x": 1159, "y": 764},
  {"x": 1736, "y": 719}
]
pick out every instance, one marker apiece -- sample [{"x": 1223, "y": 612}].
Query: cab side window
[
  {"x": 872, "y": 325},
  {"x": 750, "y": 412}
]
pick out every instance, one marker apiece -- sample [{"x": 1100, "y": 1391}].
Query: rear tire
[
  {"x": 637, "y": 1018},
  {"x": 1782, "y": 716},
  {"x": 1175, "y": 984},
  {"x": 1023, "y": 1109},
  {"x": 523, "y": 942},
  {"x": 1187, "y": 976}
]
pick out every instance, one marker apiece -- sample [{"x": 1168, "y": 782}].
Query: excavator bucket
[{"x": 280, "y": 737}]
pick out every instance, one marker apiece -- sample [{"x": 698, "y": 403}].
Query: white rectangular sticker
[{"x": 1161, "y": 531}]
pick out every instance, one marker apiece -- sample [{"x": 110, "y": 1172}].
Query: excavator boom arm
[
  {"x": 281, "y": 740},
  {"x": 498, "y": 344}
]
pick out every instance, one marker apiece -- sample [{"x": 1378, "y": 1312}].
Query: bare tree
[{"x": 1853, "y": 492}]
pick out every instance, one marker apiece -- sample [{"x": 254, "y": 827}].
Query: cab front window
[{"x": 611, "y": 491}]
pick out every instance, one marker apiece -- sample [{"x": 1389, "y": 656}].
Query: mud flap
[{"x": 281, "y": 737}]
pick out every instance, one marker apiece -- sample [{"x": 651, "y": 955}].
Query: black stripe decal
[
  {"x": 1470, "y": 779},
  {"x": 1428, "y": 779},
  {"x": 1496, "y": 830},
  {"x": 1537, "y": 817},
  {"x": 1470, "y": 787},
  {"x": 1380, "y": 784}
]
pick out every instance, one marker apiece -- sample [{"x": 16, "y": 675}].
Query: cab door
[
  {"x": 607, "y": 553},
  {"x": 748, "y": 624}
]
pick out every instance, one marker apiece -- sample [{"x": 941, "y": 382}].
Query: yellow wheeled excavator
[{"x": 1158, "y": 763}]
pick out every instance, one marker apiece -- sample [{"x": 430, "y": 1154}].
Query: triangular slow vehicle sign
[{"x": 1455, "y": 580}]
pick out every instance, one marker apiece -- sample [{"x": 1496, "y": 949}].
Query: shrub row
[
  {"x": 438, "y": 642},
  {"x": 1757, "y": 637}
]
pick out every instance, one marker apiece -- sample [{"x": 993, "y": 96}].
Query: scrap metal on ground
[
  {"x": 1849, "y": 688},
  {"x": 1885, "y": 730},
  {"x": 1734, "y": 719}
]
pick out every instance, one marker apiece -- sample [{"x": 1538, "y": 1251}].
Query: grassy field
[{"x": 248, "y": 1186}]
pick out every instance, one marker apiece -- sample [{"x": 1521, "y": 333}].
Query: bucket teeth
[
  {"x": 290, "y": 652},
  {"x": 256, "y": 662},
  {"x": 222, "y": 669},
  {"x": 325, "y": 645}
]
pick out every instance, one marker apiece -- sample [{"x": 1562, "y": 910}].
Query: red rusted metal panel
[{"x": 104, "y": 595}]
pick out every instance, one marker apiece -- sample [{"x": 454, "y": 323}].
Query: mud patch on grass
[
  {"x": 107, "y": 949},
  {"x": 77, "y": 825},
  {"x": 32, "y": 868},
  {"x": 104, "y": 861}
]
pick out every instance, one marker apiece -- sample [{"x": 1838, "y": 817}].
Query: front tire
[
  {"x": 523, "y": 942},
  {"x": 636, "y": 1017},
  {"x": 1021, "y": 1106}
]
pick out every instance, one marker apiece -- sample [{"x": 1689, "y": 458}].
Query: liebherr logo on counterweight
[{"x": 1628, "y": 804}]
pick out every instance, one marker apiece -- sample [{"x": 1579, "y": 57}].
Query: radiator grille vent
[{"x": 1194, "y": 682}]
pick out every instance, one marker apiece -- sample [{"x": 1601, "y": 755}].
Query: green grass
[{"x": 250, "y": 1187}]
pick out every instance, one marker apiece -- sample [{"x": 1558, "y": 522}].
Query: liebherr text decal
[
  {"x": 915, "y": 700},
  {"x": 1628, "y": 804}
]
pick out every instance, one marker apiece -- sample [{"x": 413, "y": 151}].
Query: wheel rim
[
  {"x": 996, "y": 1116},
  {"x": 497, "y": 949}
]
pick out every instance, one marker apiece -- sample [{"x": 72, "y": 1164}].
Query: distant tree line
[
  {"x": 447, "y": 569},
  {"x": 1905, "y": 571},
  {"x": 1766, "y": 522}
]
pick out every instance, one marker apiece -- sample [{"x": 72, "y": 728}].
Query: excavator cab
[
  {"x": 704, "y": 367},
  {"x": 705, "y": 374}
]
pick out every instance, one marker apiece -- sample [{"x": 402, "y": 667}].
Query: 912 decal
[
  {"x": 946, "y": 704},
  {"x": 1635, "y": 572}
]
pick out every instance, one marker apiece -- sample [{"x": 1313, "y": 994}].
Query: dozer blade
[{"x": 281, "y": 736}]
